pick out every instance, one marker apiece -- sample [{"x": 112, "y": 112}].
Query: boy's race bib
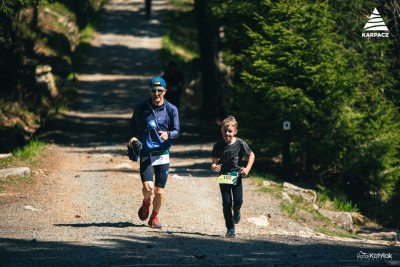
[
  {"x": 159, "y": 158},
  {"x": 228, "y": 178}
]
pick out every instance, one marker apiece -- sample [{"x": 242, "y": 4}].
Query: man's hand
[
  {"x": 135, "y": 144},
  {"x": 132, "y": 142},
  {"x": 163, "y": 135}
]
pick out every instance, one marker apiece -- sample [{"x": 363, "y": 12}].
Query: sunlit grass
[
  {"x": 180, "y": 42},
  {"x": 86, "y": 34},
  {"x": 343, "y": 204},
  {"x": 288, "y": 208},
  {"x": 26, "y": 157},
  {"x": 33, "y": 148},
  {"x": 336, "y": 232},
  {"x": 177, "y": 50},
  {"x": 14, "y": 181},
  {"x": 304, "y": 212}
]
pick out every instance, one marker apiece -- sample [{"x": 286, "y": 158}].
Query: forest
[{"x": 267, "y": 63}]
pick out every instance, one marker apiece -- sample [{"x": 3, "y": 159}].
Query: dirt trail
[{"x": 82, "y": 211}]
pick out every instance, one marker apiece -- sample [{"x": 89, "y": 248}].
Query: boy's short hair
[{"x": 230, "y": 120}]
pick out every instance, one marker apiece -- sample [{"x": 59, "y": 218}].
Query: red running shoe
[
  {"x": 144, "y": 210},
  {"x": 153, "y": 223}
]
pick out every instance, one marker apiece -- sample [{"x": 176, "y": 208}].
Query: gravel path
[{"x": 82, "y": 209}]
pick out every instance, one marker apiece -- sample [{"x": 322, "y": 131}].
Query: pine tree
[{"x": 345, "y": 132}]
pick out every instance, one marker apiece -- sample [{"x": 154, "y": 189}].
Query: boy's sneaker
[
  {"x": 230, "y": 233},
  {"x": 153, "y": 223},
  {"x": 236, "y": 216},
  {"x": 144, "y": 210}
]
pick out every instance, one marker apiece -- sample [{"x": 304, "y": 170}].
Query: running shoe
[
  {"x": 230, "y": 233},
  {"x": 153, "y": 223},
  {"x": 236, "y": 216},
  {"x": 144, "y": 210}
]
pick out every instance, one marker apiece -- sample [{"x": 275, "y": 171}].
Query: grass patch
[
  {"x": 26, "y": 156},
  {"x": 276, "y": 186},
  {"x": 335, "y": 201},
  {"x": 303, "y": 212},
  {"x": 316, "y": 214},
  {"x": 322, "y": 196},
  {"x": 288, "y": 208},
  {"x": 343, "y": 204},
  {"x": 336, "y": 232},
  {"x": 28, "y": 152},
  {"x": 86, "y": 35},
  {"x": 176, "y": 51},
  {"x": 272, "y": 190},
  {"x": 14, "y": 181}
]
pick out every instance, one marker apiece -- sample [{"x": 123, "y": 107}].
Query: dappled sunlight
[
  {"x": 78, "y": 115},
  {"x": 151, "y": 43},
  {"x": 110, "y": 77}
]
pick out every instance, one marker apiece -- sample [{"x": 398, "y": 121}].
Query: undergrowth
[
  {"x": 27, "y": 156},
  {"x": 305, "y": 212}
]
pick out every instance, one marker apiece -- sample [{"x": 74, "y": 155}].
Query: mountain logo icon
[
  {"x": 375, "y": 26},
  {"x": 375, "y": 23}
]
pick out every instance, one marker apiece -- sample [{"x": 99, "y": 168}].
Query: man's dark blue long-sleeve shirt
[{"x": 147, "y": 120}]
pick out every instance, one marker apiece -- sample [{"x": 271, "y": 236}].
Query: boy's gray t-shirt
[{"x": 230, "y": 156}]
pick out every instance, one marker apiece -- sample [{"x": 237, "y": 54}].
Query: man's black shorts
[{"x": 147, "y": 172}]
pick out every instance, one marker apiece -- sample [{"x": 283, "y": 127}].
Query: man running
[{"x": 155, "y": 122}]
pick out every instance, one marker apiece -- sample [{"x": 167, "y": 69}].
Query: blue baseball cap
[{"x": 158, "y": 81}]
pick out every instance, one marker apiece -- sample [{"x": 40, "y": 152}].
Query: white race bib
[
  {"x": 159, "y": 159},
  {"x": 228, "y": 178}
]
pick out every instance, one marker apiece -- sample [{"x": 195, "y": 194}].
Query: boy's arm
[
  {"x": 215, "y": 166},
  {"x": 245, "y": 171}
]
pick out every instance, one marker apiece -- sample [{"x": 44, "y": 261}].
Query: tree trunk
[
  {"x": 210, "y": 74},
  {"x": 35, "y": 19}
]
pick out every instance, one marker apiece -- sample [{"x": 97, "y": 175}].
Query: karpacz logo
[
  {"x": 375, "y": 34},
  {"x": 375, "y": 27}
]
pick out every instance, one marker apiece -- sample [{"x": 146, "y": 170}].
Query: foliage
[
  {"x": 343, "y": 204},
  {"x": 302, "y": 61},
  {"x": 35, "y": 33},
  {"x": 10, "y": 7},
  {"x": 336, "y": 232},
  {"x": 21, "y": 157},
  {"x": 34, "y": 147},
  {"x": 179, "y": 43},
  {"x": 287, "y": 207}
]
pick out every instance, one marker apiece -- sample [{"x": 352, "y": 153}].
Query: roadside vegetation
[
  {"x": 27, "y": 156},
  {"x": 179, "y": 45},
  {"x": 306, "y": 62},
  {"x": 306, "y": 213},
  {"x": 180, "y": 42},
  {"x": 42, "y": 42}
]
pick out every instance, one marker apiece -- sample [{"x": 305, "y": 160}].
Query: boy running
[{"x": 227, "y": 157}]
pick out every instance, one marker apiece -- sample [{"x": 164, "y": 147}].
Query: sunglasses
[{"x": 156, "y": 90}]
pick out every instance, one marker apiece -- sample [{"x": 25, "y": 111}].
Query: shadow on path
[
  {"x": 106, "y": 224},
  {"x": 171, "y": 249}
]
